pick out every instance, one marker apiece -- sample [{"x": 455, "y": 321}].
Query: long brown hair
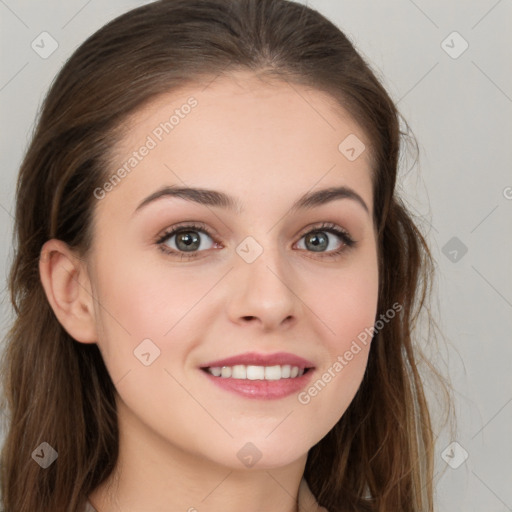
[{"x": 379, "y": 456}]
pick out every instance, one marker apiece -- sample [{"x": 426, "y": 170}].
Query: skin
[{"x": 266, "y": 144}]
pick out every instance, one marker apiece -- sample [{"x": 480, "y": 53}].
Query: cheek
[
  {"x": 134, "y": 303},
  {"x": 348, "y": 304},
  {"x": 350, "y": 309},
  {"x": 144, "y": 340},
  {"x": 347, "y": 310},
  {"x": 353, "y": 307},
  {"x": 147, "y": 299}
]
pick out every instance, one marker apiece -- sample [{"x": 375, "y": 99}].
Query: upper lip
[{"x": 256, "y": 359}]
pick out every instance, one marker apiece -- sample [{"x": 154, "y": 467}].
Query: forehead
[{"x": 241, "y": 132}]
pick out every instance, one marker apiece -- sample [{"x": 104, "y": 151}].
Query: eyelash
[{"x": 326, "y": 227}]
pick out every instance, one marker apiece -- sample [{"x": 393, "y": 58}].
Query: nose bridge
[{"x": 262, "y": 287}]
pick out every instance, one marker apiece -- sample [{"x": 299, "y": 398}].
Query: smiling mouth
[{"x": 251, "y": 372}]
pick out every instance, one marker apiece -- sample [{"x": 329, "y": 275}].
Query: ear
[{"x": 67, "y": 286}]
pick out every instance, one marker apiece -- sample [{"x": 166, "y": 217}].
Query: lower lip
[{"x": 262, "y": 389}]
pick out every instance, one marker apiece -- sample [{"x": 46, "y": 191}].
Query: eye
[
  {"x": 187, "y": 240},
  {"x": 318, "y": 241}
]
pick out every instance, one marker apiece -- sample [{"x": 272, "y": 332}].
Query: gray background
[{"x": 458, "y": 105}]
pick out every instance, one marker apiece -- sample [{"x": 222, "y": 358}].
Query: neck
[{"x": 152, "y": 474}]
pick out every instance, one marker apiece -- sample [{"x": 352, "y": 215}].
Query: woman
[{"x": 215, "y": 283}]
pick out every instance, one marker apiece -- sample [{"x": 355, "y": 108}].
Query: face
[{"x": 280, "y": 284}]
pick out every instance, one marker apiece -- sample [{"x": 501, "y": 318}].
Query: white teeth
[
  {"x": 272, "y": 372},
  {"x": 216, "y": 372},
  {"x": 243, "y": 372},
  {"x": 226, "y": 371},
  {"x": 255, "y": 372},
  {"x": 238, "y": 372},
  {"x": 286, "y": 371}
]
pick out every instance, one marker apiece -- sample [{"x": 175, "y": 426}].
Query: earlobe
[{"x": 67, "y": 287}]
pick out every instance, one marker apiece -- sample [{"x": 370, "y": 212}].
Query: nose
[{"x": 263, "y": 293}]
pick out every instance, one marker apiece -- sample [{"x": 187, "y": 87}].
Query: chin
[{"x": 260, "y": 453}]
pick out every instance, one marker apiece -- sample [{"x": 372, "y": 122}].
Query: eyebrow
[{"x": 208, "y": 197}]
